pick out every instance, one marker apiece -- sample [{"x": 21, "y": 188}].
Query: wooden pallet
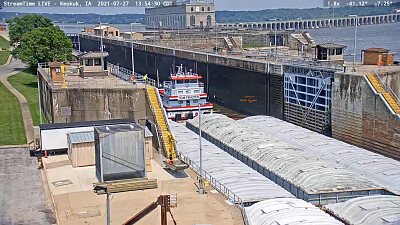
[{"x": 126, "y": 185}]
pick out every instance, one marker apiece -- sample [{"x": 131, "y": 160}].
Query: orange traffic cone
[{"x": 45, "y": 153}]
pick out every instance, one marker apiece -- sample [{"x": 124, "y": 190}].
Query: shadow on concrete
[{"x": 177, "y": 174}]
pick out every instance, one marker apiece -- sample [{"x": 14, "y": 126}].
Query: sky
[{"x": 220, "y": 5}]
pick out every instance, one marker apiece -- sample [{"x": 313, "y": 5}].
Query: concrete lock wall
[
  {"x": 360, "y": 117},
  {"x": 391, "y": 80},
  {"x": 234, "y": 83},
  {"x": 99, "y": 104},
  {"x": 92, "y": 104}
]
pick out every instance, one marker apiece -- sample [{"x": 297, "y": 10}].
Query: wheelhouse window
[
  {"x": 97, "y": 62},
  {"x": 89, "y": 62}
]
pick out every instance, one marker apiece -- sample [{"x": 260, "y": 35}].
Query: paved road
[
  {"x": 22, "y": 197},
  {"x": 15, "y": 65}
]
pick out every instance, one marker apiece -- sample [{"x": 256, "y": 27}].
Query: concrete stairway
[
  {"x": 308, "y": 37},
  {"x": 160, "y": 120},
  {"x": 233, "y": 42},
  {"x": 300, "y": 38},
  {"x": 228, "y": 43},
  {"x": 386, "y": 95}
]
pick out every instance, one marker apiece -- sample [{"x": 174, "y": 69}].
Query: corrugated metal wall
[{"x": 119, "y": 155}]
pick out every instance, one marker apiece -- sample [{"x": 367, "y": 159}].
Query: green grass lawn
[
  {"x": 26, "y": 84},
  {"x": 4, "y": 57},
  {"x": 4, "y": 44},
  {"x": 12, "y": 130}
]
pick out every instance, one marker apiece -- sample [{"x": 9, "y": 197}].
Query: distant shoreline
[{"x": 226, "y": 16}]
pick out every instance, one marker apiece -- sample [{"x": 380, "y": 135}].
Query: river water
[
  {"x": 75, "y": 28},
  {"x": 379, "y": 36}
]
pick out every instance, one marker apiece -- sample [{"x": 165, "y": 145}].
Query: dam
[{"x": 314, "y": 23}]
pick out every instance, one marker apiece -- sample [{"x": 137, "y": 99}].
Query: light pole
[
  {"x": 105, "y": 189},
  {"x": 154, "y": 30},
  {"x": 101, "y": 44},
  {"x": 179, "y": 37},
  {"x": 133, "y": 59},
  {"x": 216, "y": 39},
  {"x": 79, "y": 40},
  {"x": 355, "y": 42},
  {"x": 276, "y": 47},
  {"x": 63, "y": 26},
  {"x": 201, "y": 184}
]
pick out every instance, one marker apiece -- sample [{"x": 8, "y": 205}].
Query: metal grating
[{"x": 308, "y": 95}]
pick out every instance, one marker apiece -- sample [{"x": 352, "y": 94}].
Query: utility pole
[{"x": 201, "y": 183}]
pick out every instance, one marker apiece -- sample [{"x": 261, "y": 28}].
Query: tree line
[
  {"x": 37, "y": 40},
  {"x": 228, "y": 16}
]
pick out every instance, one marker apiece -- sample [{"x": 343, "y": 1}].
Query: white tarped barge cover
[
  {"x": 230, "y": 176},
  {"x": 371, "y": 210},
  {"x": 379, "y": 169},
  {"x": 287, "y": 211},
  {"x": 307, "y": 176}
]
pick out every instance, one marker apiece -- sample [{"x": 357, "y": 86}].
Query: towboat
[{"x": 183, "y": 95}]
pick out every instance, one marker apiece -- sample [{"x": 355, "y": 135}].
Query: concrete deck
[
  {"x": 5, "y": 35},
  {"x": 371, "y": 69},
  {"x": 75, "y": 81},
  {"x": 76, "y": 203}
]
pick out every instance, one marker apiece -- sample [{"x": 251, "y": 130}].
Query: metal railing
[
  {"x": 281, "y": 59},
  {"x": 230, "y": 195},
  {"x": 126, "y": 74},
  {"x": 387, "y": 89},
  {"x": 41, "y": 67},
  {"x": 75, "y": 82},
  {"x": 380, "y": 95}
]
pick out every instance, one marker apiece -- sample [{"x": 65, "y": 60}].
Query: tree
[
  {"x": 19, "y": 26},
  {"x": 44, "y": 44}
]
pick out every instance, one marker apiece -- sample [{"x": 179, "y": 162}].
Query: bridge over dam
[
  {"x": 313, "y": 23},
  {"x": 346, "y": 106}
]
